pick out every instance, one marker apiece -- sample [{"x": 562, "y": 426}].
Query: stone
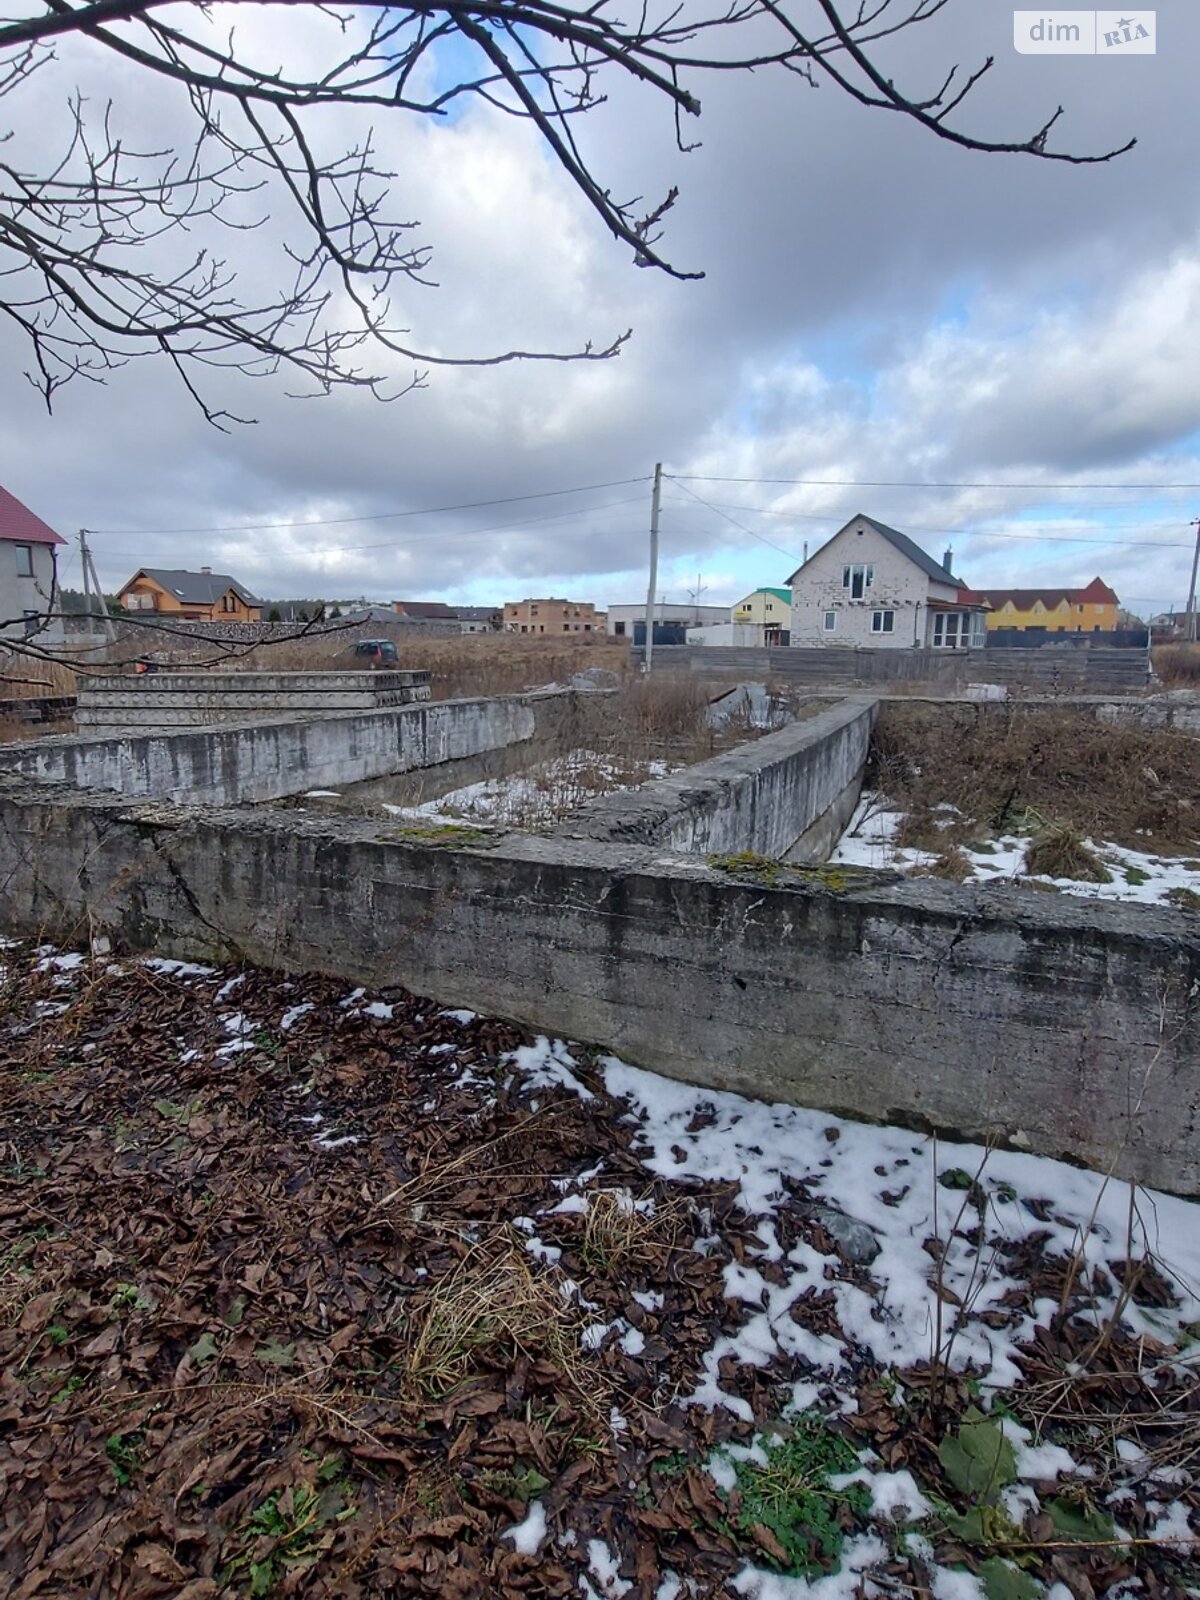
[{"x": 853, "y": 1238}]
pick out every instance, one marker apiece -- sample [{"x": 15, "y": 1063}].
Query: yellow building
[
  {"x": 768, "y": 609},
  {"x": 204, "y": 596},
  {"x": 1090, "y": 610}
]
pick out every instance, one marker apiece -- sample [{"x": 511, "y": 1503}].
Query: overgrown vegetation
[
  {"x": 1177, "y": 665},
  {"x": 969, "y": 771},
  {"x": 1062, "y": 852}
]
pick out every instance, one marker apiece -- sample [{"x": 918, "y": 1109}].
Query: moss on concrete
[
  {"x": 748, "y": 864},
  {"x": 446, "y": 835}
]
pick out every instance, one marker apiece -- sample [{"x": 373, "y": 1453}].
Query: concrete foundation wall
[
  {"x": 198, "y": 699},
  {"x": 1067, "y": 1027},
  {"x": 235, "y": 765},
  {"x": 761, "y": 797},
  {"x": 1049, "y": 671}
]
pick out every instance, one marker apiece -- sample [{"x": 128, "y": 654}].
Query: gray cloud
[{"x": 877, "y": 305}]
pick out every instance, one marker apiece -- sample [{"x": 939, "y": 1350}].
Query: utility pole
[
  {"x": 1191, "y": 610},
  {"x": 92, "y": 596},
  {"x": 655, "y": 502}
]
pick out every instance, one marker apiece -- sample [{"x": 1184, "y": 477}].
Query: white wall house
[
  {"x": 28, "y": 591},
  {"x": 621, "y": 618},
  {"x": 874, "y": 588}
]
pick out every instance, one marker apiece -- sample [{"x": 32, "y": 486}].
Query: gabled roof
[
  {"x": 1096, "y": 593},
  {"x": 906, "y": 546},
  {"x": 426, "y": 608},
  {"x": 780, "y": 594},
  {"x": 18, "y": 523},
  {"x": 194, "y": 588},
  {"x": 476, "y": 613}
]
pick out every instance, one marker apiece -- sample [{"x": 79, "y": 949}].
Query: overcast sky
[{"x": 879, "y": 307}]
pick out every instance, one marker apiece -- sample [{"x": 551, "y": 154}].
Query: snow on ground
[
  {"x": 869, "y": 841},
  {"x": 540, "y": 795},
  {"x": 887, "y": 1178}
]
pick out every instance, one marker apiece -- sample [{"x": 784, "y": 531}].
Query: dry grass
[
  {"x": 490, "y": 1309},
  {"x": 22, "y": 678},
  {"x": 467, "y": 665},
  {"x": 617, "y": 1233},
  {"x": 951, "y": 864},
  {"x": 1004, "y": 766},
  {"x": 1062, "y": 852},
  {"x": 1177, "y": 665}
]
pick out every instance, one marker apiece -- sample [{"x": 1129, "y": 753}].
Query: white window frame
[
  {"x": 829, "y": 622},
  {"x": 858, "y": 578},
  {"x": 25, "y": 561},
  {"x": 883, "y": 622},
  {"x": 956, "y": 638}
]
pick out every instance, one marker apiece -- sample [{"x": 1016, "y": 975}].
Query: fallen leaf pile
[{"x": 274, "y": 1321}]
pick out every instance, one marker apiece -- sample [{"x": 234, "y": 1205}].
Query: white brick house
[{"x": 873, "y": 587}]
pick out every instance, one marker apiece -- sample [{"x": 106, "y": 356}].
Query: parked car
[{"x": 380, "y": 652}]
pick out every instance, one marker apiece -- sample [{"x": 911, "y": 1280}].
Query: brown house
[
  {"x": 204, "y": 596},
  {"x": 552, "y": 617}
]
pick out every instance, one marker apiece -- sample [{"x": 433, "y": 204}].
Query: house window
[
  {"x": 946, "y": 630},
  {"x": 31, "y": 622},
  {"x": 830, "y": 622},
  {"x": 587, "y": 627},
  {"x": 883, "y": 622},
  {"x": 533, "y": 611},
  {"x": 24, "y": 561},
  {"x": 619, "y": 629},
  {"x": 857, "y": 579}
]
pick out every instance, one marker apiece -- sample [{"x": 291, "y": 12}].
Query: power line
[
  {"x": 445, "y": 533},
  {"x": 379, "y": 516},
  {"x": 790, "y": 554},
  {"x": 911, "y": 483},
  {"x": 967, "y": 533}
]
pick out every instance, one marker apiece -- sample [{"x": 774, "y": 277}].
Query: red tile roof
[{"x": 18, "y": 523}]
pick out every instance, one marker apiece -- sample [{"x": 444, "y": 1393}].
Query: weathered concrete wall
[
  {"x": 802, "y": 781},
  {"x": 1177, "y": 712},
  {"x": 235, "y": 765},
  {"x": 1065, "y": 1026},
  {"x": 198, "y": 699},
  {"x": 1051, "y": 671}
]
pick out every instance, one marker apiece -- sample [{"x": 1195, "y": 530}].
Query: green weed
[
  {"x": 791, "y": 1496},
  {"x": 123, "y": 1452},
  {"x": 291, "y": 1530}
]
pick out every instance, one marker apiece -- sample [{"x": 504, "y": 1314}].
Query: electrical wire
[
  {"x": 970, "y": 533},
  {"x": 790, "y": 554},
  {"x": 912, "y": 483},
  {"x": 379, "y": 516}
]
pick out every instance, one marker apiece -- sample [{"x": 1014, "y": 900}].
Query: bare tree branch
[{"x": 107, "y": 250}]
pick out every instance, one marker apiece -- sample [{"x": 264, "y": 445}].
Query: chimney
[
  {"x": 948, "y": 560},
  {"x": 207, "y": 571}
]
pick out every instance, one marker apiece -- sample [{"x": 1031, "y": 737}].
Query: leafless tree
[{"x": 106, "y": 250}]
